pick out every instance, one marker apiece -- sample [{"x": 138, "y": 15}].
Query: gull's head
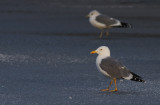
[
  {"x": 93, "y": 13},
  {"x": 102, "y": 51}
]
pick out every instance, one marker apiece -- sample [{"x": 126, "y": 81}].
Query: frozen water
[{"x": 45, "y": 53}]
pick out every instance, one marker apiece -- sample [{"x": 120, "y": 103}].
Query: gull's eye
[
  {"x": 91, "y": 13},
  {"x": 100, "y": 49}
]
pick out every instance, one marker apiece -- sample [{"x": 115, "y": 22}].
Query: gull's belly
[{"x": 97, "y": 24}]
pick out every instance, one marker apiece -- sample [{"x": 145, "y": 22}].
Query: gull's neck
[
  {"x": 92, "y": 17},
  {"x": 95, "y": 15},
  {"x": 100, "y": 57}
]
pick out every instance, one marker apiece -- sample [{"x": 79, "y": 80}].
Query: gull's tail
[
  {"x": 137, "y": 78},
  {"x": 125, "y": 25}
]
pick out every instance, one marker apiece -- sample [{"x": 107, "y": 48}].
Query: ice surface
[{"x": 45, "y": 53}]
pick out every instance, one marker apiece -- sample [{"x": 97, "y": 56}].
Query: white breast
[{"x": 95, "y": 23}]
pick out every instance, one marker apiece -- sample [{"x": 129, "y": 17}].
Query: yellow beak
[
  {"x": 93, "y": 52},
  {"x": 87, "y": 16}
]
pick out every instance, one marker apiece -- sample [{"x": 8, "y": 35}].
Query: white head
[
  {"x": 93, "y": 13},
  {"x": 102, "y": 51}
]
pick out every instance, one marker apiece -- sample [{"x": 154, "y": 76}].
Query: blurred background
[{"x": 61, "y": 16}]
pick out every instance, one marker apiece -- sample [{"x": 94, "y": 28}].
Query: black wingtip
[
  {"x": 126, "y": 25},
  {"x": 137, "y": 78}
]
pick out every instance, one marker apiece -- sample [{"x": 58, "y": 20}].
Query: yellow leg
[
  {"x": 107, "y": 32},
  {"x": 115, "y": 86},
  {"x": 108, "y": 86},
  {"x": 101, "y": 34}
]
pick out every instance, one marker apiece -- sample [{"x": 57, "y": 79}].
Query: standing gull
[
  {"x": 102, "y": 22},
  {"x": 112, "y": 68}
]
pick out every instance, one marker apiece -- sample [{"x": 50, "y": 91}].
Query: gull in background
[
  {"x": 102, "y": 22},
  {"x": 112, "y": 68}
]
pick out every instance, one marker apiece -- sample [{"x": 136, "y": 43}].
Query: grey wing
[
  {"x": 114, "y": 68},
  {"x": 108, "y": 21}
]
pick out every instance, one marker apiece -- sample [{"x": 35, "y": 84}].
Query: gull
[
  {"x": 102, "y": 22},
  {"x": 112, "y": 68}
]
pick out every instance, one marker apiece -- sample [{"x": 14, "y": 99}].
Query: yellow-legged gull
[
  {"x": 112, "y": 68},
  {"x": 102, "y": 22}
]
